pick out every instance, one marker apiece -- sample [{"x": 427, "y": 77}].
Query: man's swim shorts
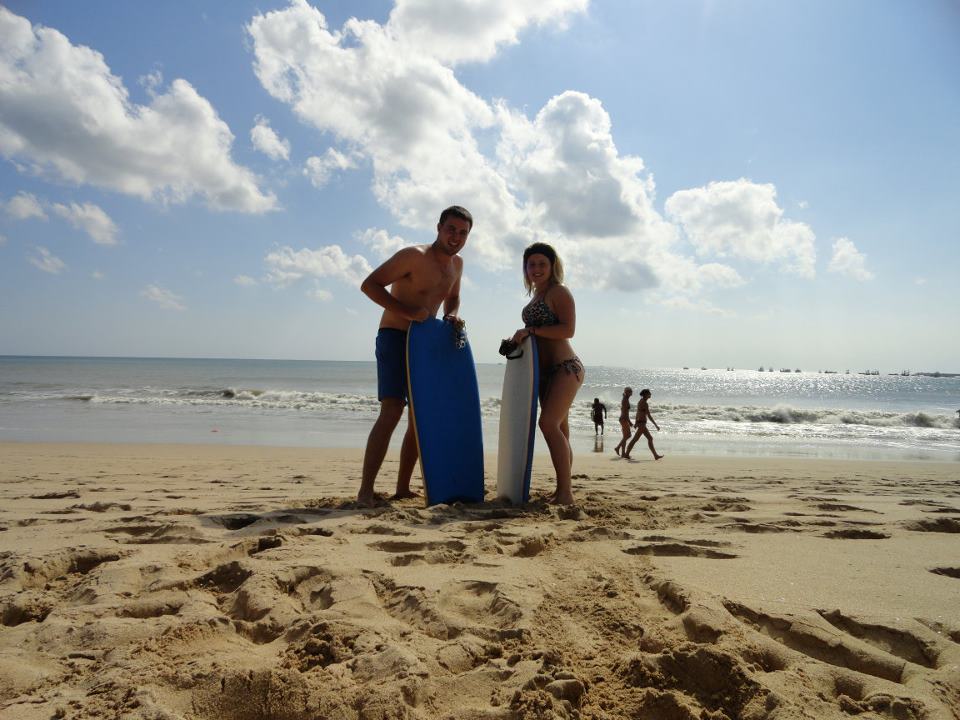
[{"x": 392, "y": 364}]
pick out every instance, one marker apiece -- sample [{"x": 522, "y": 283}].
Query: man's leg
[
  {"x": 391, "y": 410},
  {"x": 408, "y": 460}
]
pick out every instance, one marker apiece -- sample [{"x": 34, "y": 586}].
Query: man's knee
[{"x": 391, "y": 410}]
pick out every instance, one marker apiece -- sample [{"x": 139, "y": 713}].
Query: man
[
  {"x": 421, "y": 278},
  {"x": 597, "y": 413}
]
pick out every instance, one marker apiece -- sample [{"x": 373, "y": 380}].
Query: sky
[{"x": 729, "y": 182}]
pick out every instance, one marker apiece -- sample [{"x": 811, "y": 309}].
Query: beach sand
[{"x": 242, "y": 583}]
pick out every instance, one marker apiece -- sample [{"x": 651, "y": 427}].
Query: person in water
[
  {"x": 643, "y": 414},
  {"x": 551, "y": 317},
  {"x": 598, "y": 412},
  {"x": 625, "y": 426},
  {"x": 421, "y": 278}
]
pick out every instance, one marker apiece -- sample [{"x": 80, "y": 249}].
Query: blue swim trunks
[{"x": 392, "y": 364}]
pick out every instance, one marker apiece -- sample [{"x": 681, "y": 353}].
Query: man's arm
[
  {"x": 649, "y": 415},
  {"x": 451, "y": 303},
  {"x": 375, "y": 285}
]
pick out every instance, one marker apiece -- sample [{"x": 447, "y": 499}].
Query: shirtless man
[
  {"x": 643, "y": 414},
  {"x": 625, "y": 425},
  {"x": 421, "y": 278},
  {"x": 597, "y": 413}
]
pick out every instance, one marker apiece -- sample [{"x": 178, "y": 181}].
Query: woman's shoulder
[{"x": 559, "y": 291}]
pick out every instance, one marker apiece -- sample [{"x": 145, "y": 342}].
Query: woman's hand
[{"x": 520, "y": 335}]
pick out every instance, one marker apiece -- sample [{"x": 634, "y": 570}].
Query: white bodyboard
[{"x": 518, "y": 423}]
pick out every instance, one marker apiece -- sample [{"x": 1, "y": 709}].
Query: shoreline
[{"x": 200, "y": 581}]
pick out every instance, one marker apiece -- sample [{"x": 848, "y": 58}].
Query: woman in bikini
[
  {"x": 625, "y": 426},
  {"x": 551, "y": 317}
]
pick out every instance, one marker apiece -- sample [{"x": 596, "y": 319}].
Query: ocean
[{"x": 333, "y": 404}]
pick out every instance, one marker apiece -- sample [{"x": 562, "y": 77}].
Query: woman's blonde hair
[{"x": 556, "y": 264}]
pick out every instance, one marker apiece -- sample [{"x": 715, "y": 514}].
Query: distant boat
[
  {"x": 760, "y": 369},
  {"x": 784, "y": 369},
  {"x": 797, "y": 370},
  {"x": 703, "y": 368},
  {"x": 830, "y": 372},
  {"x": 685, "y": 367}
]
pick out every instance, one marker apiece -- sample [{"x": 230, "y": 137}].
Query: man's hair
[
  {"x": 628, "y": 390},
  {"x": 457, "y": 211},
  {"x": 645, "y": 392},
  {"x": 556, "y": 264}
]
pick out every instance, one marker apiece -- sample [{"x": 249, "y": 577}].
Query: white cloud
[
  {"x": 456, "y": 31},
  {"x": 266, "y": 140},
  {"x": 803, "y": 204},
  {"x": 318, "y": 293},
  {"x": 287, "y": 265},
  {"x": 381, "y": 242},
  {"x": 91, "y": 219},
  {"x": 849, "y": 261},
  {"x": 244, "y": 280},
  {"x": 321, "y": 169},
  {"x": 919, "y": 281},
  {"x": 163, "y": 297},
  {"x": 24, "y": 206},
  {"x": 97, "y": 275},
  {"x": 741, "y": 219},
  {"x": 702, "y": 306},
  {"x": 64, "y": 113},
  {"x": 47, "y": 261},
  {"x": 389, "y": 97}
]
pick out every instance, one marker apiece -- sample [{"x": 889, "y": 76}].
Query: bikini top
[{"x": 538, "y": 314}]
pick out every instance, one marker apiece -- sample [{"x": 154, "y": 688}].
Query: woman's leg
[
  {"x": 625, "y": 429},
  {"x": 553, "y": 424}
]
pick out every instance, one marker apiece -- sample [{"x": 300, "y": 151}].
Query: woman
[
  {"x": 643, "y": 414},
  {"x": 551, "y": 317},
  {"x": 625, "y": 426}
]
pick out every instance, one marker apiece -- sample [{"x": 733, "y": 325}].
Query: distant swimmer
[
  {"x": 598, "y": 412},
  {"x": 625, "y": 425},
  {"x": 643, "y": 414}
]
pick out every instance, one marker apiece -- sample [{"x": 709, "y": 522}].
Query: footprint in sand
[
  {"x": 678, "y": 549},
  {"x": 953, "y": 572},
  {"x": 824, "y": 644},
  {"x": 900, "y": 642},
  {"x": 856, "y": 534},
  {"x": 941, "y": 525},
  {"x": 408, "y": 552}
]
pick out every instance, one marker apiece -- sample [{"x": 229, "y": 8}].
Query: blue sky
[{"x": 730, "y": 183}]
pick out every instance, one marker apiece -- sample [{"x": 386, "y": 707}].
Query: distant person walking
[
  {"x": 551, "y": 317},
  {"x": 598, "y": 413},
  {"x": 643, "y": 414},
  {"x": 421, "y": 278},
  {"x": 625, "y": 425}
]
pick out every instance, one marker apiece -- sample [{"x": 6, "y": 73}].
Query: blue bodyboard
[{"x": 445, "y": 412}]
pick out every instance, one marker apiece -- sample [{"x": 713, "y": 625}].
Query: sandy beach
[{"x": 235, "y": 583}]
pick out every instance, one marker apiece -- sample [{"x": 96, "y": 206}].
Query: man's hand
[{"x": 458, "y": 322}]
